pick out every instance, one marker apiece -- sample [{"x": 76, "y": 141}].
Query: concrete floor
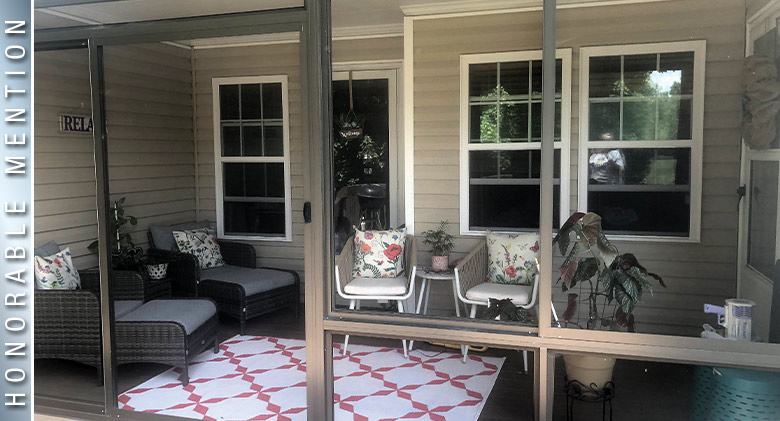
[{"x": 636, "y": 383}]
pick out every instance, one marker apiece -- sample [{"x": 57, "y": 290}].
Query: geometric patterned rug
[{"x": 264, "y": 378}]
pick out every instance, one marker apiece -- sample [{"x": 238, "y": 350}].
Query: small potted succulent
[
  {"x": 609, "y": 285},
  {"x": 441, "y": 243}
]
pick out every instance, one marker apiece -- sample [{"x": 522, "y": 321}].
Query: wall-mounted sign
[{"x": 72, "y": 123}]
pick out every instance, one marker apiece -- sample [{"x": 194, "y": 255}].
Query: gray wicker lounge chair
[
  {"x": 240, "y": 289},
  {"x": 67, "y": 324}
]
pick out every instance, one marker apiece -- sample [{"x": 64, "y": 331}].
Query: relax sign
[{"x": 75, "y": 123}]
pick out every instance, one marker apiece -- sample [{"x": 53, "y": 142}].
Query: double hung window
[
  {"x": 641, "y": 137},
  {"x": 252, "y": 157},
  {"x": 501, "y": 133}
]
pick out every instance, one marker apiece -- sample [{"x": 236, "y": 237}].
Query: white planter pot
[
  {"x": 440, "y": 263},
  {"x": 589, "y": 370},
  {"x": 157, "y": 271}
]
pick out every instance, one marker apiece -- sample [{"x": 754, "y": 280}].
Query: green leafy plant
[
  {"x": 124, "y": 253},
  {"x": 613, "y": 283},
  {"x": 440, "y": 240},
  {"x": 506, "y": 310}
]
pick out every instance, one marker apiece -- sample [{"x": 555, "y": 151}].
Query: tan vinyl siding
[
  {"x": 372, "y": 49},
  {"x": 151, "y": 151},
  {"x": 695, "y": 273}
]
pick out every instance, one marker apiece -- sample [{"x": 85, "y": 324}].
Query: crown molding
[
  {"x": 497, "y": 6},
  {"x": 373, "y": 31}
]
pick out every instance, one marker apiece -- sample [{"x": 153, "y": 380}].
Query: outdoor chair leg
[
  {"x": 403, "y": 341},
  {"x": 100, "y": 376},
  {"x": 466, "y": 347},
  {"x": 525, "y": 361},
  {"x": 216, "y": 346},
  {"x": 242, "y": 328},
  {"x": 185, "y": 375},
  {"x": 352, "y": 304}
]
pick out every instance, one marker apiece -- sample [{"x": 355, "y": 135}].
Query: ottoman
[{"x": 167, "y": 331}]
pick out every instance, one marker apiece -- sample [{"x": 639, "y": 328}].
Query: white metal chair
[
  {"x": 390, "y": 289},
  {"x": 472, "y": 289}
]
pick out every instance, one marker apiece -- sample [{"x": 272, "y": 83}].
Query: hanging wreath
[{"x": 350, "y": 126}]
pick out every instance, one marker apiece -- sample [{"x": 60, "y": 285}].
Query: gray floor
[{"x": 643, "y": 391}]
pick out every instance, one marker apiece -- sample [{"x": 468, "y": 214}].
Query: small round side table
[{"x": 427, "y": 274}]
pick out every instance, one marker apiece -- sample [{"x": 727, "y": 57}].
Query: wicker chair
[
  {"x": 188, "y": 279},
  {"x": 344, "y": 264},
  {"x": 470, "y": 275},
  {"x": 67, "y": 326}
]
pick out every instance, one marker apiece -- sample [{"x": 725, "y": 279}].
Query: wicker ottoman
[{"x": 169, "y": 331}]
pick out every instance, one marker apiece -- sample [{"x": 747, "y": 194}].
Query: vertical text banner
[{"x": 15, "y": 222}]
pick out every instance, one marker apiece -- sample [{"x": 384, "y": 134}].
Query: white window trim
[
  {"x": 218, "y": 159},
  {"x": 564, "y": 54},
  {"x": 697, "y": 129}
]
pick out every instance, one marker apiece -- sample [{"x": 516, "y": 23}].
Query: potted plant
[
  {"x": 609, "y": 284},
  {"x": 124, "y": 253},
  {"x": 156, "y": 265},
  {"x": 441, "y": 244}
]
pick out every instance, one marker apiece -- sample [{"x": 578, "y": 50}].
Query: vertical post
[
  {"x": 103, "y": 205},
  {"x": 316, "y": 78},
  {"x": 545, "y": 378}
]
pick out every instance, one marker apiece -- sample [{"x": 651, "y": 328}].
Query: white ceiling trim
[{"x": 469, "y": 7}]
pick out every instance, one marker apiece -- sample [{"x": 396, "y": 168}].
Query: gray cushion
[
  {"x": 162, "y": 235},
  {"x": 189, "y": 313},
  {"x": 123, "y": 307},
  {"x": 47, "y": 249},
  {"x": 253, "y": 280}
]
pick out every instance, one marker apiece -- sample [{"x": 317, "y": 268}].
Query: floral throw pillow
[
  {"x": 56, "y": 271},
  {"x": 203, "y": 244},
  {"x": 511, "y": 257},
  {"x": 379, "y": 254}
]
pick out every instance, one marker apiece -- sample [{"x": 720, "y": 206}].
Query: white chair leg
[
  {"x": 403, "y": 341},
  {"x": 466, "y": 347},
  {"x": 525, "y": 361},
  {"x": 352, "y": 304}
]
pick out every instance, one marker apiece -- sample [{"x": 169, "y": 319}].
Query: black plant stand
[{"x": 576, "y": 391}]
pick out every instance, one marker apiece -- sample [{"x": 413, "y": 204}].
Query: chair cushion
[
  {"x": 511, "y": 257},
  {"x": 519, "y": 294},
  {"x": 202, "y": 243},
  {"x": 189, "y": 313},
  {"x": 373, "y": 286},
  {"x": 123, "y": 307},
  {"x": 162, "y": 235},
  {"x": 56, "y": 271},
  {"x": 379, "y": 254},
  {"x": 47, "y": 249},
  {"x": 254, "y": 281}
]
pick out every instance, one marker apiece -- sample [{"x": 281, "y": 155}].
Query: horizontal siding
[
  {"x": 695, "y": 273},
  {"x": 151, "y": 151}
]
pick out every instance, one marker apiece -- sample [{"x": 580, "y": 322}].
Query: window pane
[
  {"x": 660, "y": 167},
  {"x": 228, "y": 102},
  {"x": 762, "y": 230},
  {"x": 557, "y": 121},
  {"x": 273, "y": 140},
  {"x": 254, "y": 218},
  {"x": 638, "y": 72},
  {"x": 604, "y": 121},
  {"x": 536, "y": 121},
  {"x": 231, "y": 140},
  {"x": 626, "y": 212},
  {"x": 483, "y": 79},
  {"x": 272, "y": 101},
  {"x": 536, "y": 78},
  {"x": 677, "y": 71},
  {"x": 233, "y": 179},
  {"x": 253, "y": 180},
  {"x": 604, "y": 77},
  {"x": 674, "y": 118},
  {"x": 514, "y": 77},
  {"x": 639, "y": 120},
  {"x": 484, "y": 123},
  {"x": 253, "y": 140},
  {"x": 514, "y": 206},
  {"x": 250, "y": 101},
  {"x": 514, "y": 122}
]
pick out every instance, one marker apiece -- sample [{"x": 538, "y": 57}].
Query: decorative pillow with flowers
[
  {"x": 511, "y": 257},
  {"x": 56, "y": 271},
  {"x": 379, "y": 254},
  {"x": 203, "y": 244}
]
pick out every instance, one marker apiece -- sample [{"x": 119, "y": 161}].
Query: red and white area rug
[{"x": 264, "y": 378}]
